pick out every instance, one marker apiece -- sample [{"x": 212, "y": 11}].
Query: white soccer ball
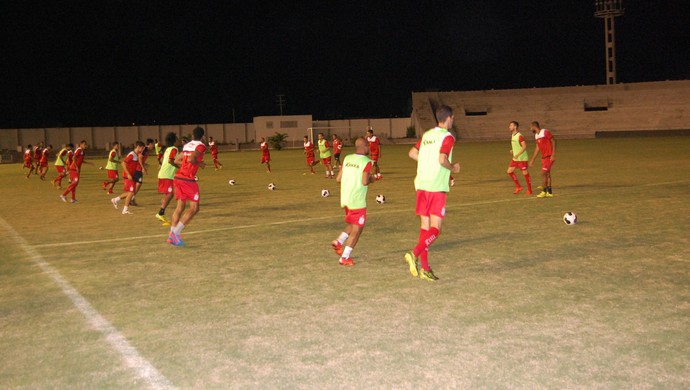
[
  {"x": 570, "y": 218},
  {"x": 196, "y": 178},
  {"x": 380, "y": 199},
  {"x": 325, "y": 193},
  {"x": 271, "y": 187},
  {"x": 231, "y": 182}
]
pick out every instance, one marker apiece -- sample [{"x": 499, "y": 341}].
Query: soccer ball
[
  {"x": 100, "y": 168},
  {"x": 196, "y": 178},
  {"x": 231, "y": 182},
  {"x": 271, "y": 187},
  {"x": 380, "y": 199},
  {"x": 570, "y": 218},
  {"x": 325, "y": 193}
]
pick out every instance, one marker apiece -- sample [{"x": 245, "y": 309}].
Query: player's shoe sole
[
  {"x": 427, "y": 275},
  {"x": 412, "y": 263}
]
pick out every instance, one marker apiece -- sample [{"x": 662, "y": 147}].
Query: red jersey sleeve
[
  {"x": 172, "y": 155},
  {"x": 367, "y": 168},
  {"x": 418, "y": 144},
  {"x": 521, "y": 139},
  {"x": 447, "y": 145}
]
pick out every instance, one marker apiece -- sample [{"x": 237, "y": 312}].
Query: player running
[
  {"x": 325, "y": 153},
  {"x": 337, "y": 148},
  {"x": 60, "y": 163},
  {"x": 546, "y": 145},
  {"x": 186, "y": 186},
  {"x": 309, "y": 153},
  {"x": 433, "y": 154},
  {"x": 519, "y": 157},
  {"x": 265, "y": 154},
  {"x": 74, "y": 172},
  {"x": 44, "y": 161},
  {"x": 29, "y": 159},
  {"x": 38, "y": 152},
  {"x": 354, "y": 179},
  {"x": 130, "y": 165},
  {"x": 214, "y": 153},
  {"x": 375, "y": 152},
  {"x": 166, "y": 175},
  {"x": 111, "y": 167},
  {"x": 159, "y": 151}
]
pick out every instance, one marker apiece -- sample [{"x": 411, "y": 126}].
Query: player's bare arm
[
  {"x": 340, "y": 176},
  {"x": 553, "y": 149},
  {"x": 413, "y": 153},
  {"x": 443, "y": 160}
]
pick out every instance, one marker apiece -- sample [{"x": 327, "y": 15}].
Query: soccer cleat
[
  {"x": 549, "y": 195},
  {"x": 126, "y": 212},
  {"x": 62, "y": 198},
  {"x": 105, "y": 185},
  {"x": 73, "y": 201},
  {"x": 337, "y": 247},
  {"x": 412, "y": 262},
  {"x": 517, "y": 190},
  {"x": 427, "y": 275},
  {"x": 163, "y": 219},
  {"x": 175, "y": 239},
  {"x": 133, "y": 203},
  {"x": 542, "y": 194},
  {"x": 114, "y": 202},
  {"x": 348, "y": 261},
  {"x": 529, "y": 192},
  {"x": 110, "y": 191}
]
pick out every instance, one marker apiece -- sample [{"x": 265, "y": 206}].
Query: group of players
[{"x": 328, "y": 151}]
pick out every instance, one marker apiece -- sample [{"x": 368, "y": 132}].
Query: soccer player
[
  {"x": 60, "y": 163},
  {"x": 214, "y": 153},
  {"x": 325, "y": 153},
  {"x": 111, "y": 167},
  {"x": 38, "y": 152},
  {"x": 337, "y": 148},
  {"x": 546, "y": 145},
  {"x": 309, "y": 153},
  {"x": 186, "y": 187},
  {"x": 265, "y": 154},
  {"x": 166, "y": 175},
  {"x": 29, "y": 159},
  {"x": 141, "y": 169},
  {"x": 519, "y": 157},
  {"x": 354, "y": 179},
  {"x": 433, "y": 153},
  {"x": 74, "y": 172},
  {"x": 375, "y": 152},
  {"x": 44, "y": 161},
  {"x": 159, "y": 152},
  {"x": 130, "y": 165}
]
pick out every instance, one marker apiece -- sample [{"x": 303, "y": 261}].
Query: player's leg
[
  {"x": 511, "y": 172},
  {"x": 355, "y": 232},
  {"x": 528, "y": 180}
]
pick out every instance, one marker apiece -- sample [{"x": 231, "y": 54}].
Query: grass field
[{"x": 90, "y": 298}]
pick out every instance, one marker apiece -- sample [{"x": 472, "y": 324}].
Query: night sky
[{"x": 168, "y": 62}]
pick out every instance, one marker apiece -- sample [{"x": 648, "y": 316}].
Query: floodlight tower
[{"x": 608, "y": 10}]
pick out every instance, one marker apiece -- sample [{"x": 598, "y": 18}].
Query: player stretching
[
  {"x": 375, "y": 150},
  {"x": 130, "y": 165},
  {"x": 546, "y": 144},
  {"x": 214, "y": 153},
  {"x": 265, "y": 154},
  {"x": 29, "y": 159},
  {"x": 337, "y": 148},
  {"x": 433, "y": 154},
  {"x": 354, "y": 178},
  {"x": 309, "y": 153},
  {"x": 519, "y": 157},
  {"x": 44, "y": 161},
  {"x": 186, "y": 187},
  {"x": 166, "y": 175},
  {"x": 325, "y": 153},
  {"x": 60, "y": 162},
  {"x": 111, "y": 166},
  {"x": 75, "y": 171}
]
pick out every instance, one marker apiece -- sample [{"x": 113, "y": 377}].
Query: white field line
[
  {"x": 142, "y": 367},
  {"x": 305, "y": 220}
]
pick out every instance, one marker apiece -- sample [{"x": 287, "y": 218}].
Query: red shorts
[
  {"x": 60, "y": 170},
  {"x": 130, "y": 185},
  {"x": 546, "y": 164},
  {"x": 518, "y": 164},
  {"x": 186, "y": 190},
  {"x": 74, "y": 177},
  {"x": 325, "y": 160},
  {"x": 356, "y": 217},
  {"x": 44, "y": 164},
  {"x": 431, "y": 203},
  {"x": 265, "y": 158},
  {"x": 165, "y": 186},
  {"x": 374, "y": 157},
  {"x": 310, "y": 160},
  {"x": 28, "y": 164},
  {"x": 214, "y": 156},
  {"x": 112, "y": 174}
]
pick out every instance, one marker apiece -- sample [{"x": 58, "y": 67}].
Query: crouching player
[{"x": 354, "y": 178}]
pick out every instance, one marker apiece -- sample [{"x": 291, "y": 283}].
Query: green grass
[{"x": 257, "y": 300}]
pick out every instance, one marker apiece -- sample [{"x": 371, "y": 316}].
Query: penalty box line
[{"x": 132, "y": 359}]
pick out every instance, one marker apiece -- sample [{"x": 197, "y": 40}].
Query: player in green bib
[
  {"x": 325, "y": 152},
  {"x": 60, "y": 162},
  {"x": 519, "y": 158},
  {"x": 354, "y": 178},
  {"x": 433, "y": 153},
  {"x": 166, "y": 174},
  {"x": 111, "y": 167}
]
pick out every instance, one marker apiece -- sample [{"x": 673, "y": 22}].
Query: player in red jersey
[
  {"x": 75, "y": 171},
  {"x": 61, "y": 162},
  {"x": 130, "y": 165},
  {"x": 214, "y": 153},
  {"x": 29, "y": 159},
  {"x": 337, "y": 148},
  {"x": 139, "y": 173},
  {"x": 186, "y": 186},
  {"x": 38, "y": 152},
  {"x": 375, "y": 152},
  {"x": 546, "y": 145},
  {"x": 44, "y": 161},
  {"x": 309, "y": 153},
  {"x": 265, "y": 154}
]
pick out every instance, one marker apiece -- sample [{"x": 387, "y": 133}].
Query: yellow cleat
[
  {"x": 427, "y": 275},
  {"x": 163, "y": 219},
  {"x": 412, "y": 262},
  {"x": 542, "y": 194},
  {"x": 549, "y": 195}
]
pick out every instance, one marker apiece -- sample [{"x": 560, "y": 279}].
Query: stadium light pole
[{"x": 608, "y": 10}]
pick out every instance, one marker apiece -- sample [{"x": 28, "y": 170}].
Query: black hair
[{"x": 197, "y": 133}]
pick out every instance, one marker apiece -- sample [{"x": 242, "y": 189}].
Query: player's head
[
  {"x": 263, "y": 139},
  {"x": 361, "y": 146},
  {"x": 306, "y": 138},
  {"x": 139, "y": 146},
  {"x": 49, "y": 147},
  {"x": 210, "y": 139},
  {"x": 170, "y": 139},
  {"x": 320, "y": 136},
  {"x": 70, "y": 146},
  {"x": 83, "y": 144},
  {"x": 198, "y": 133},
  {"x": 335, "y": 136},
  {"x": 444, "y": 117},
  {"x": 185, "y": 140},
  {"x": 116, "y": 145},
  {"x": 370, "y": 132},
  {"x": 149, "y": 143},
  {"x": 513, "y": 126},
  {"x": 535, "y": 127},
  {"x": 29, "y": 146}
]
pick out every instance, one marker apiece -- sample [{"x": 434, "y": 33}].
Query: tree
[{"x": 277, "y": 140}]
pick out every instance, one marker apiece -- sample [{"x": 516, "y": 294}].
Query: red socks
[
  {"x": 426, "y": 238},
  {"x": 529, "y": 183},
  {"x": 515, "y": 180}
]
